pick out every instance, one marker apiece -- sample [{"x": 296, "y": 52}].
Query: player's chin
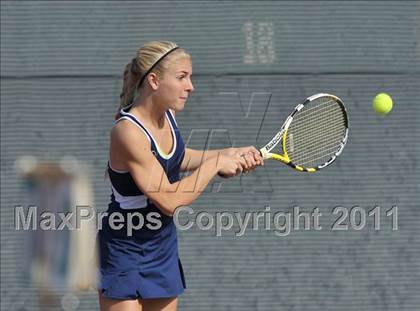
[{"x": 179, "y": 105}]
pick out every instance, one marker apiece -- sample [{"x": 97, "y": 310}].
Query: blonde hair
[{"x": 146, "y": 57}]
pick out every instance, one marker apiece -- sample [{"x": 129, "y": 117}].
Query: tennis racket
[{"x": 312, "y": 136}]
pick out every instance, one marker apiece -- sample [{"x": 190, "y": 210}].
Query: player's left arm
[{"x": 194, "y": 158}]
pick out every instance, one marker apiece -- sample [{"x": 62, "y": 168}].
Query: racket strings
[
  {"x": 326, "y": 150},
  {"x": 305, "y": 150},
  {"x": 315, "y": 159},
  {"x": 318, "y": 113},
  {"x": 320, "y": 145},
  {"x": 322, "y": 159},
  {"x": 319, "y": 134},
  {"x": 316, "y": 133},
  {"x": 334, "y": 126},
  {"x": 313, "y": 107},
  {"x": 324, "y": 154},
  {"x": 322, "y": 112}
]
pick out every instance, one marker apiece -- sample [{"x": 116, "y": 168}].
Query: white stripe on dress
[{"x": 129, "y": 202}]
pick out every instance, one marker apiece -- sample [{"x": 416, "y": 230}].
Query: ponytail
[{"x": 131, "y": 77}]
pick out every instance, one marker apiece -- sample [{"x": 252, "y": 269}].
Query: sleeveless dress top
[{"x": 142, "y": 262}]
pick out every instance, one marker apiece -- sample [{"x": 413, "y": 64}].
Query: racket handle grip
[{"x": 264, "y": 153}]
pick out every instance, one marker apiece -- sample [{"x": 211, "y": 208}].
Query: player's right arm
[{"x": 132, "y": 147}]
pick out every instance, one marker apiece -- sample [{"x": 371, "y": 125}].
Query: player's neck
[{"x": 149, "y": 111}]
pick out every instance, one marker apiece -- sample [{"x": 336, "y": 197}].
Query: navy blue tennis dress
[{"x": 145, "y": 265}]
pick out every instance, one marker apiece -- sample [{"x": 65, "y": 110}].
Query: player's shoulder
[{"x": 125, "y": 132}]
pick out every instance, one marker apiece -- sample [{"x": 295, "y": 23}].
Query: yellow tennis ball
[{"x": 382, "y": 103}]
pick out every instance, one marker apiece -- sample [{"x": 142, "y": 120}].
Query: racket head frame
[{"x": 281, "y": 136}]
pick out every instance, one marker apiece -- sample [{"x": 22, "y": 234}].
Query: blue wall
[{"x": 61, "y": 64}]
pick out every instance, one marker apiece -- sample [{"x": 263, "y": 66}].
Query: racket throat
[{"x": 284, "y": 159}]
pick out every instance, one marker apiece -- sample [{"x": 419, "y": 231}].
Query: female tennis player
[{"x": 142, "y": 271}]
